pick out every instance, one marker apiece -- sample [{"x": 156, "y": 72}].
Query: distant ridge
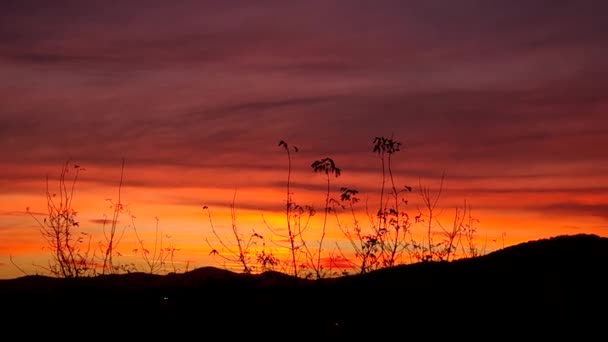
[
  {"x": 540, "y": 286},
  {"x": 589, "y": 246},
  {"x": 576, "y": 248}
]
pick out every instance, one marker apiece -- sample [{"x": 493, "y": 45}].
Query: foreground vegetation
[
  {"x": 389, "y": 235},
  {"x": 439, "y": 286}
]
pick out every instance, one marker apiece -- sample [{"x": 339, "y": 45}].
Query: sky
[{"x": 506, "y": 98}]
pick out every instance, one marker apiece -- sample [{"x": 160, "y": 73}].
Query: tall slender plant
[
  {"x": 328, "y": 167},
  {"x": 112, "y": 240},
  {"x": 393, "y": 223},
  {"x": 155, "y": 260},
  {"x": 429, "y": 201},
  {"x": 366, "y": 247},
  {"x": 289, "y": 207},
  {"x": 241, "y": 251}
]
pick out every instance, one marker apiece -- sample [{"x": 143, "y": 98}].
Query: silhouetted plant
[
  {"x": 266, "y": 260},
  {"x": 300, "y": 217},
  {"x": 461, "y": 233},
  {"x": 155, "y": 260},
  {"x": 385, "y": 148},
  {"x": 386, "y": 242},
  {"x": 293, "y": 215},
  {"x": 69, "y": 252},
  {"x": 244, "y": 252},
  {"x": 365, "y": 246},
  {"x": 70, "y": 259},
  {"x": 109, "y": 250},
  {"x": 393, "y": 223},
  {"x": 328, "y": 167},
  {"x": 469, "y": 230},
  {"x": 241, "y": 255},
  {"x": 381, "y": 244},
  {"x": 452, "y": 236},
  {"x": 429, "y": 201}
]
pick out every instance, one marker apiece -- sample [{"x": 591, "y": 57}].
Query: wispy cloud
[
  {"x": 103, "y": 222},
  {"x": 577, "y": 209}
]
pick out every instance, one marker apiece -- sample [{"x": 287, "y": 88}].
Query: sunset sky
[{"x": 508, "y": 98}]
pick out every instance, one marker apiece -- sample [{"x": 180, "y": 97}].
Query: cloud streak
[{"x": 577, "y": 209}]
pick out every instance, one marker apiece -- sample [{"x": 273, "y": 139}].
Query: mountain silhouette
[{"x": 547, "y": 287}]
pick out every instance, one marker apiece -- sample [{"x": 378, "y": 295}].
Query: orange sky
[
  {"x": 508, "y": 100},
  {"x": 513, "y": 212}
]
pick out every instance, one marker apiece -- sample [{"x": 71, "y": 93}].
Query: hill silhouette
[{"x": 550, "y": 286}]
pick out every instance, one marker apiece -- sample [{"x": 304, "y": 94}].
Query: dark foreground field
[{"x": 548, "y": 287}]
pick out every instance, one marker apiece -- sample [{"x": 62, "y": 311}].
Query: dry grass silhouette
[{"x": 383, "y": 238}]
